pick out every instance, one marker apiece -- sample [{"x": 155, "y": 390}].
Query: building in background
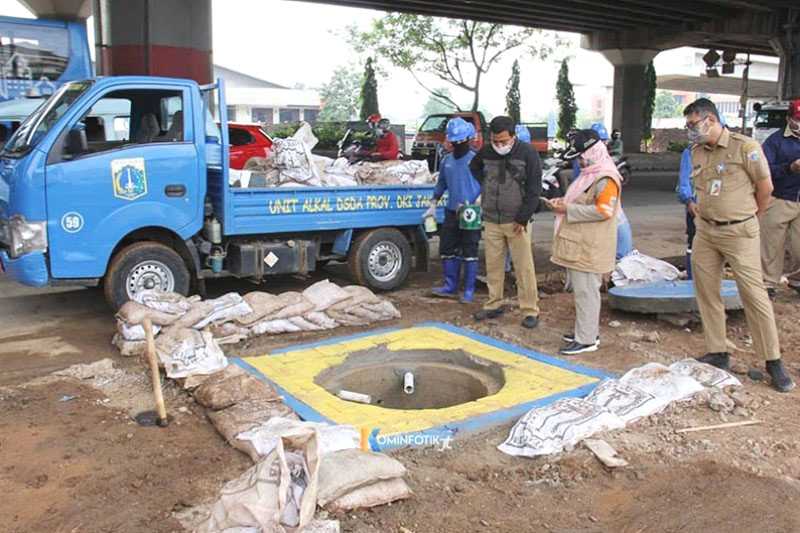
[{"x": 251, "y": 99}]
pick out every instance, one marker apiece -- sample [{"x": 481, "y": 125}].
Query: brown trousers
[
  {"x": 497, "y": 238},
  {"x": 781, "y": 219}
]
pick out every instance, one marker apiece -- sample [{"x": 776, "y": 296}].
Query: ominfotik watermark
[{"x": 440, "y": 439}]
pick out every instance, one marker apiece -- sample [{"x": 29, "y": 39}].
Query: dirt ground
[{"x": 73, "y": 460}]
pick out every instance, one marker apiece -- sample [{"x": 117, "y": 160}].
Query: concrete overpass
[{"x": 173, "y": 37}]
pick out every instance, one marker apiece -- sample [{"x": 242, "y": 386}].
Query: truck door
[{"x": 104, "y": 182}]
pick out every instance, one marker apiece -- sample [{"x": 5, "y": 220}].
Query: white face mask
[{"x": 504, "y": 149}]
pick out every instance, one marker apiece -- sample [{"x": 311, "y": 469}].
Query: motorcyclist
[
  {"x": 387, "y": 146},
  {"x": 615, "y": 144},
  {"x": 457, "y": 247}
]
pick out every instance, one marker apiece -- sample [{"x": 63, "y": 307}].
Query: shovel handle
[{"x": 150, "y": 352}]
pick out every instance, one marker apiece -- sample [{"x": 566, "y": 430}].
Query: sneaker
[
  {"x": 720, "y": 360},
  {"x": 575, "y": 348},
  {"x": 781, "y": 381},
  {"x": 569, "y": 338},
  {"x": 530, "y": 322},
  {"x": 484, "y": 314}
]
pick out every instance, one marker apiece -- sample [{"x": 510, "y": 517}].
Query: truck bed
[{"x": 276, "y": 210}]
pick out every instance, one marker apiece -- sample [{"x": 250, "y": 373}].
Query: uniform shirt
[
  {"x": 387, "y": 146},
  {"x": 725, "y": 175},
  {"x": 456, "y": 178},
  {"x": 781, "y": 148}
]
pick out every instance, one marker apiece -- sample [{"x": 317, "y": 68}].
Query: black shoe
[
  {"x": 483, "y": 314},
  {"x": 574, "y": 348},
  {"x": 720, "y": 360},
  {"x": 772, "y": 293},
  {"x": 781, "y": 381},
  {"x": 569, "y": 338},
  {"x": 530, "y": 322}
]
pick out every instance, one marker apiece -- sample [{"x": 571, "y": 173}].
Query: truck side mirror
[{"x": 76, "y": 142}]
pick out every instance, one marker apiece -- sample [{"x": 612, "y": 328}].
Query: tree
[
  {"x": 649, "y": 103},
  {"x": 435, "y": 106},
  {"x": 666, "y": 105},
  {"x": 340, "y": 95},
  {"x": 369, "y": 92},
  {"x": 512, "y": 94},
  {"x": 566, "y": 102},
  {"x": 457, "y": 52}
]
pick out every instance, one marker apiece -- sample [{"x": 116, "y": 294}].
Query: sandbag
[
  {"x": 134, "y": 332},
  {"x": 227, "y": 307},
  {"x": 231, "y": 386},
  {"x": 185, "y": 352},
  {"x": 262, "y": 304},
  {"x": 324, "y": 294},
  {"x": 298, "y": 306},
  {"x": 278, "y": 494},
  {"x": 244, "y": 416},
  {"x": 273, "y": 327},
  {"x": 332, "y": 438},
  {"x": 379, "y": 493},
  {"x": 346, "y": 470},
  {"x": 128, "y": 348},
  {"x": 133, "y": 313}
]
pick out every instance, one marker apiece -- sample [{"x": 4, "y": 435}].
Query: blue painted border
[{"x": 475, "y": 423}]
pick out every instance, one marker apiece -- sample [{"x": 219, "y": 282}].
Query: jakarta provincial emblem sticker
[{"x": 130, "y": 178}]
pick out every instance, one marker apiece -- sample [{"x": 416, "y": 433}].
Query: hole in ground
[{"x": 442, "y": 378}]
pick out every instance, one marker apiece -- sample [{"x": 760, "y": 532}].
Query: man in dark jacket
[
  {"x": 782, "y": 150},
  {"x": 510, "y": 174}
]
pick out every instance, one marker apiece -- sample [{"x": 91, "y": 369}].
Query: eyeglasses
[{"x": 692, "y": 125}]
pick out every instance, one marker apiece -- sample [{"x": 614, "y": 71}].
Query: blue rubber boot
[
  {"x": 452, "y": 272},
  {"x": 470, "y": 274}
]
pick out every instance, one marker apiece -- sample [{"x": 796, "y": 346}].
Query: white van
[{"x": 770, "y": 117}]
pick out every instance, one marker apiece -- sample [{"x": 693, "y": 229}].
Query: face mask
[
  {"x": 794, "y": 127},
  {"x": 460, "y": 149},
  {"x": 699, "y": 133},
  {"x": 503, "y": 150}
]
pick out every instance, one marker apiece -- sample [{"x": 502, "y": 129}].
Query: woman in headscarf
[{"x": 585, "y": 240}]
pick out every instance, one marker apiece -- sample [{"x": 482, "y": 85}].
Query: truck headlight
[{"x": 26, "y": 237}]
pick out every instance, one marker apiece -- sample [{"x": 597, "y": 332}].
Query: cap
[
  {"x": 579, "y": 142},
  {"x": 794, "y": 109},
  {"x": 374, "y": 118}
]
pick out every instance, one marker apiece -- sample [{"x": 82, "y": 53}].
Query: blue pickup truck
[{"x": 152, "y": 206}]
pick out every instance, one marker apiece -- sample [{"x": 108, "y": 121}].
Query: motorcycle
[
  {"x": 623, "y": 167},
  {"x": 554, "y": 180},
  {"x": 356, "y": 145}
]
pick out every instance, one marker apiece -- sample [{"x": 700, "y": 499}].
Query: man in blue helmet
[{"x": 457, "y": 247}]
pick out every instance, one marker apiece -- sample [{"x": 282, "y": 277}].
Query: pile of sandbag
[
  {"x": 291, "y": 164},
  {"x": 189, "y": 330},
  {"x": 641, "y": 392}
]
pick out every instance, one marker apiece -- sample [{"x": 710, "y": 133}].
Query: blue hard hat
[
  {"x": 600, "y": 129},
  {"x": 459, "y": 130},
  {"x": 523, "y": 133}
]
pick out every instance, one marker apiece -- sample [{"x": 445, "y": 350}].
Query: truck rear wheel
[
  {"x": 380, "y": 259},
  {"x": 144, "y": 266}
]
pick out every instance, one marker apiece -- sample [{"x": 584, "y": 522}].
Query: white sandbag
[
  {"x": 639, "y": 269},
  {"x": 347, "y": 470},
  {"x": 231, "y": 386},
  {"x": 705, "y": 374},
  {"x": 332, "y": 438},
  {"x": 321, "y": 320},
  {"x": 549, "y": 429},
  {"x": 628, "y": 402},
  {"x": 303, "y": 324},
  {"x": 273, "y": 327},
  {"x": 379, "y": 493},
  {"x": 185, "y": 352},
  {"x": 324, "y": 294},
  {"x": 166, "y": 302},
  {"x": 300, "y": 306},
  {"x": 134, "y": 332},
  {"x": 661, "y": 382},
  {"x": 133, "y": 313},
  {"x": 224, "y": 308},
  {"x": 277, "y": 495},
  {"x": 262, "y": 304},
  {"x": 128, "y": 348},
  {"x": 244, "y": 416}
]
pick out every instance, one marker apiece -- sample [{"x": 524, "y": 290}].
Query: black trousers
[
  {"x": 691, "y": 229},
  {"x": 457, "y": 242}
]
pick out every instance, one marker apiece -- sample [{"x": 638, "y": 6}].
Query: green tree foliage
[
  {"x": 457, "y": 52},
  {"x": 667, "y": 106},
  {"x": 369, "y": 92},
  {"x": 566, "y": 102},
  {"x": 649, "y": 102},
  {"x": 512, "y": 94},
  {"x": 435, "y": 106},
  {"x": 340, "y": 95}
]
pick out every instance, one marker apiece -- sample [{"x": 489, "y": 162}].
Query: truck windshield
[
  {"x": 772, "y": 118},
  {"x": 46, "y": 115},
  {"x": 435, "y": 123}
]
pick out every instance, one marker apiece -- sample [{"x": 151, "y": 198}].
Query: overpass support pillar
[
  {"x": 629, "y": 92},
  {"x": 787, "y": 46},
  {"x": 163, "y": 38}
]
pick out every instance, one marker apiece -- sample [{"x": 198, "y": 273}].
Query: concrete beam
[
  {"x": 59, "y": 9},
  {"x": 787, "y": 46}
]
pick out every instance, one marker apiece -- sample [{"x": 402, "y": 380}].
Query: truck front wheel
[
  {"x": 144, "y": 266},
  {"x": 380, "y": 259}
]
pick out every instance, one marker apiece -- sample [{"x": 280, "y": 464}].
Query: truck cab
[
  {"x": 430, "y": 137},
  {"x": 147, "y": 203},
  {"x": 770, "y": 117}
]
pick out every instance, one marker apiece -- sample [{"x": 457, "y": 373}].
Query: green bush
[
  {"x": 329, "y": 134},
  {"x": 677, "y": 146},
  {"x": 282, "y": 131}
]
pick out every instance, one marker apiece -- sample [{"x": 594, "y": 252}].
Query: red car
[{"x": 247, "y": 140}]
